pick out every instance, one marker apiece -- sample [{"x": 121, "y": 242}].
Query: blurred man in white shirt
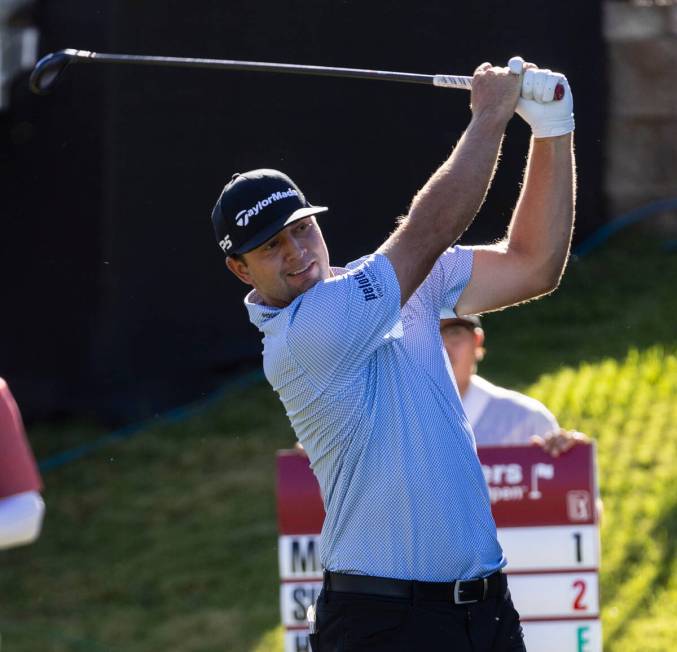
[{"x": 498, "y": 416}]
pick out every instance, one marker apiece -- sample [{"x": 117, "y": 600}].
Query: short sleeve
[
  {"x": 448, "y": 278},
  {"x": 513, "y": 419},
  {"x": 18, "y": 470},
  {"x": 538, "y": 421},
  {"x": 545, "y": 422},
  {"x": 338, "y": 324}
]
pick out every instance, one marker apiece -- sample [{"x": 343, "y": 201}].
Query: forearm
[
  {"x": 443, "y": 209},
  {"x": 542, "y": 223}
]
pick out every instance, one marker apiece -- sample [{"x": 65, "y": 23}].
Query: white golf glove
[{"x": 537, "y": 105}]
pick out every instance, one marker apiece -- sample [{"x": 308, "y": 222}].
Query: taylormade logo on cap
[{"x": 242, "y": 218}]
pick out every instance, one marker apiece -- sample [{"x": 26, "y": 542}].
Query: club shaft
[{"x": 84, "y": 56}]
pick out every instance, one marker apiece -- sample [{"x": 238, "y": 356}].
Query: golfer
[{"x": 409, "y": 543}]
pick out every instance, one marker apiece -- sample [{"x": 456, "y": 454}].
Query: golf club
[{"x": 50, "y": 68}]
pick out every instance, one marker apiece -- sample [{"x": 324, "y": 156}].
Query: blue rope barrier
[
  {"x": 602, "y": 234},
  {"x": 175, "y": 415}
]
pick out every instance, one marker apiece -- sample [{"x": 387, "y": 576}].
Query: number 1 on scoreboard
[{"x": 579, "y": 547}]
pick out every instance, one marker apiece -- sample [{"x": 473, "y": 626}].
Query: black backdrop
[{"x": 116, "y": 301}]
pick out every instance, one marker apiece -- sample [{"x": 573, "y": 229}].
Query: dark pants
[{"x": 352, "y": 622}]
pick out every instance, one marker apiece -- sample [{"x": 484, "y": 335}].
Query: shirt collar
[
  {"x": 262, "y": 315},
  {"x": 259, "y": 313}
]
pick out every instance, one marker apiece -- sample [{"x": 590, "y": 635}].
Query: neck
[{"x": 463, "y": 386}]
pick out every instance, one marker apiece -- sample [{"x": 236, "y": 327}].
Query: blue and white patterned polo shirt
[{"x": 366, "y": 389}]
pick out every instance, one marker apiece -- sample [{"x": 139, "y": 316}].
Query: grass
[
  {"x": 630, "y": 406},
  {"x": 167, "y": 541}
]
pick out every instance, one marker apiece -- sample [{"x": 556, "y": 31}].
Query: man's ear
[
  {"x": 479, "y": 336},
  {"x": 239, "y": 267},
  {"x": 479, "y": 343}
]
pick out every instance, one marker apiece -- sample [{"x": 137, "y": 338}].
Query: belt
[{"x": 458, "y": 592}]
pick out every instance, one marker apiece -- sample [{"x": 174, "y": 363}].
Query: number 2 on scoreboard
[{"x": 578, "y": 600}]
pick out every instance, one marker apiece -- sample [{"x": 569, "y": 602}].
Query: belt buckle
[{"x": 458, "y": 589}]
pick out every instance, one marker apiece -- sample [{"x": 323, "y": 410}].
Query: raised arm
[
  {"x": 530, "y": 260},
  {"x": 449, "y": 201}
]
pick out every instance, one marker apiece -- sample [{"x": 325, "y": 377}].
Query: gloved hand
[{"x": 546, "y": 116}]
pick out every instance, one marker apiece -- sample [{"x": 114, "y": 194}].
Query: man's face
[
  {"x": 463, "y": 343},
  {"x": 287, "y": 265}
]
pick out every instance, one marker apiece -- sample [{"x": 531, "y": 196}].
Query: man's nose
[{"x": 293, "y": 248}]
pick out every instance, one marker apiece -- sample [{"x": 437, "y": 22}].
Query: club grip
[
  {"x": 464, "y": 82},
  {"x": 452, "y": 81}
]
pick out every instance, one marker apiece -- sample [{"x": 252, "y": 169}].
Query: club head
[{"x": 49, "y": 69}]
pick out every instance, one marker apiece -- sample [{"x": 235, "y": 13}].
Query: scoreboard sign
[{"x": 545, "y": 512}]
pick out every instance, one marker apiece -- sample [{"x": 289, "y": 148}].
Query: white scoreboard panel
[
  {"x": 565, "y": 636},
  {"x": 299, "y": 557},
  {"x": 550, "y": 548},
  {"x": 295, "y": 598},
  {"x": 296, "y": 641},
  {"x": 555, "y": 595}
]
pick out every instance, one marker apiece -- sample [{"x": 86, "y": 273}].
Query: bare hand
[
  {"x": 560, "y": 442},
  {"x": 495, "y": 91}
]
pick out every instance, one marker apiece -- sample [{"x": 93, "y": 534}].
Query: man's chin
[
  {"x": 305, "y": 285},
  {"x": 298, "y": 285}
]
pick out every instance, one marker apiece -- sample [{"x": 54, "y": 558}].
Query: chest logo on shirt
[{"x": 369, "y": 288}]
